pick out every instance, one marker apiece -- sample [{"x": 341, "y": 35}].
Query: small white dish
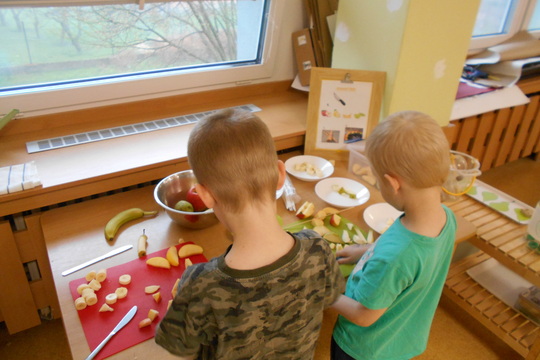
[
  {"x": 380, "y": 216},
  {"x": 325, "y": 189},
  {"x": 326, "y": 168}
]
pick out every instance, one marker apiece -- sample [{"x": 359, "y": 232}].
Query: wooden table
[{"x": 74, "y": 234}]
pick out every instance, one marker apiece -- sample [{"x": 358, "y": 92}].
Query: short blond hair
[
  {"x": 411, "y": 145},
  {"x": 232, "y": 153}
]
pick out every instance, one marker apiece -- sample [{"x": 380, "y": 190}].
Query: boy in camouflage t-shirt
[{"x": 264, "y": 298}]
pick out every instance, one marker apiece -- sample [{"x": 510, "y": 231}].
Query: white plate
[
  {"x": 325, "y": 190},
  {"x": 380, "y": 216},
  {"x": 324, "y": 165}
]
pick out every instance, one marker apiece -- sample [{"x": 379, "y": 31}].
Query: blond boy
[
  {"x": 391, "y": 296},
  {"x": 263, "y": 298}
]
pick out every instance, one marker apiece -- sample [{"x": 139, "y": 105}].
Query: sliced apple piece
[
  {"x": 345, "y": 237},
  {"x": 334, "y": 238},
  {"x": 189, "y": 250},
  {"x": 188, "y": 263},
  {"x": 159, "y": 262},
  {"x": 321, "y": 214},
  {"x": 175, "y": 288},
  {"x": 321, "y": 230},
  {"x": 144, "y": 323},
  {"x": 359, "y": 238},
  {"x": 152, "y": 314},
  {"x": 172, "y": 256},
  {"x": 151, "y": 289},
  {"x": 306, "y": 210},
  {"x": 370, "y": 237},
  {"x": 330, "y": 210},
  {"x": 317, "y": 222},
  {"x": 335, "y": 220},
  {"x": 157, "y": 297}
]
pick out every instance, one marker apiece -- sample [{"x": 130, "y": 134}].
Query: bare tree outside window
[{"x": 63, "y": 44}]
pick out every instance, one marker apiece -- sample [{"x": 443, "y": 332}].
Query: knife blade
[
  {"x": 98, "y": 259},
  {"x": 127, "y": 318},
  {"x": 336, "y": 96}
]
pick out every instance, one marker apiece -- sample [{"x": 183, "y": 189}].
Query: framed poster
[{"x": 343, "y": 107}]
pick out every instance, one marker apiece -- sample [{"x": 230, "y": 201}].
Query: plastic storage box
[
  {"x": 359, "y": 164},
  {"x": 528, "y": 303}
]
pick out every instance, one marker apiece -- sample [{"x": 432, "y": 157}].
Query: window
[
  {"x": 499, "y": 20},
  {"x": 69, "y": 53},
  {"x": 534, "y": 19}
]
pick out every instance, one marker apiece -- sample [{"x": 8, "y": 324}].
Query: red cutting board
[{"x": 97, "y": 325}]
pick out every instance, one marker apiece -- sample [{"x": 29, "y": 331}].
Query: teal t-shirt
[{"x": 404, "y": 272}]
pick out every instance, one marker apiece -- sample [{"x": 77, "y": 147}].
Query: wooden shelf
[
  {"x": 512, "y": 327},
  {"x": 500, "y": 237},
  {"x": 504, "y": 240}
]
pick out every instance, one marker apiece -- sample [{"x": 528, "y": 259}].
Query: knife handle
[{"x": 100, "y": 346}]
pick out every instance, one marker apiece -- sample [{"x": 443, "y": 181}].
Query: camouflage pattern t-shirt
[{"x": 273, "y": 312}]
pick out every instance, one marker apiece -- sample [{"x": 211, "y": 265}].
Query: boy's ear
[
  {"x": 394, "y": 182},
  {"x": 282, "y": 174},
  {"x": 206, "y": 196}
]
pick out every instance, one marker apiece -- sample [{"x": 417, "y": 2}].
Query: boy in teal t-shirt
[{"x": 393, "y": 292}]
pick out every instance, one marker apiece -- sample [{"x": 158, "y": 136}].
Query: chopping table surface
[{"x": 74, "y": 234}]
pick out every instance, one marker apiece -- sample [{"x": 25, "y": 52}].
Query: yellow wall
[{"x": 420, "y": 44}]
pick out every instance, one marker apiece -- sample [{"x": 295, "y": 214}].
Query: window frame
[
  {"x": 59, "y": 98},
  {"x": 518, "y": 22}
]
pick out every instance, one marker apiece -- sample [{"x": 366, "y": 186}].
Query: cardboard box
[{"x": 305, "y": 58}]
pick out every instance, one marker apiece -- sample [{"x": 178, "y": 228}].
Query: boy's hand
[{"x": 351, "y": 254}]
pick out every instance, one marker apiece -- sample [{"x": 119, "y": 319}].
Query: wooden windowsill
[{"x": 83, "y": 170}]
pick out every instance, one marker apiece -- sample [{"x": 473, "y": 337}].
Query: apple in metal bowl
[{"x": 178, "y": 188}]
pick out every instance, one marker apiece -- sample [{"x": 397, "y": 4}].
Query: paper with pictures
[{"x": 343, "y": 113}]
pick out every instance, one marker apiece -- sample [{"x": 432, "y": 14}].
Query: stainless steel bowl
[{"x": 174, "y": 188}]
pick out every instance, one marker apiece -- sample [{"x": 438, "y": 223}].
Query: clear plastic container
[{"x": 463, "y": 172}]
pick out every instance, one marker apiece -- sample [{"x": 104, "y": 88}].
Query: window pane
[
  {"x": 534, "y": 23},
  {"x": 493, "y": 17},
  {"x": 69, "y": 44}
]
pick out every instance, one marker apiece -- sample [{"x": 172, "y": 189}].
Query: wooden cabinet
[{"x": 504, "y": 240}]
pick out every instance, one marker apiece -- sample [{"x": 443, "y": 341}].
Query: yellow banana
[{"x": 123, "y": 217}]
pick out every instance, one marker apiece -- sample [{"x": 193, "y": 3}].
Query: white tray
[
  {"x": 500, "y": 201},
  {"x": 502, "y": 282}
]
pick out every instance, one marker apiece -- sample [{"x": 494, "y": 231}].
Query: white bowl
[
  {"x": 325, "y": 190},
  {"x": 380, "y": 216},
  {"x": 323, "y": 165}
]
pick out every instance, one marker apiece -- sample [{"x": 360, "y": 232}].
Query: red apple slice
[{"x": 306, "y": 210}]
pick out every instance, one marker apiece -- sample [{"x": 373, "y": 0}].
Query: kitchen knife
[
  {"x": 339, "y": 99},
  {"x": 99, "y": 258},
  {"x": 127, "y": 318}
]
